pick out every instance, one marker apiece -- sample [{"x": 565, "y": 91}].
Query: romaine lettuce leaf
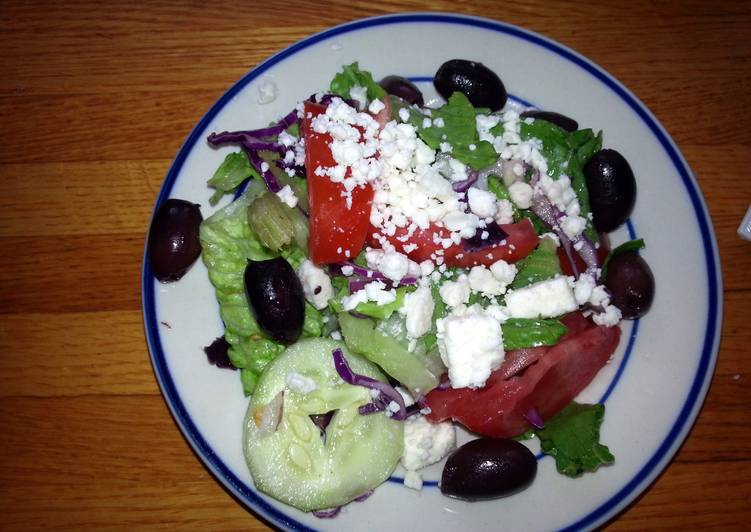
[
  {"x": 352, "y": 76},
  {"x": 572, "y": 437},
  {"x": 231, "y": 173},
  {"x": 520, "y": 333},
  {"x": 227, "y": 243}
]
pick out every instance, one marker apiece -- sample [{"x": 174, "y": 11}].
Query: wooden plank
[{"x": 76, "y": 353}]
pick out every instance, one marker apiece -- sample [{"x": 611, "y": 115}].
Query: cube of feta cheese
[
  {"x": 471, "y": 346},
  {"x": 418, "y": 309},
  {"x": 545, "y": 299}
]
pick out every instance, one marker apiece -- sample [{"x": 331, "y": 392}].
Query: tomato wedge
[
  {"x": 549, "y": 384},
  {"x": 519, "y": 243},
  {"x": 337, "y": 232}
]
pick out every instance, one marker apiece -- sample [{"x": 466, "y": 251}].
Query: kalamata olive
[
  {"x": 173, "y": 244},
  {"x": 476, "y": 81},
  {"x": 276, "y": 298},
  {"x": 562, "y": 121},
  {"x": 612, "y": 189},
  {"x": 403, "y": 88},
  {"x": 488, "y": 468},
  {"x": 631, "y": 284}
]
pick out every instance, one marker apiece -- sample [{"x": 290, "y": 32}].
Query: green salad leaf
[
  {"x": 566, "y": 154},
  {"x": 520, "y": 333},
  {"x": 539, "y": 265},
  {"x": 231, "y": 173},
  {"x": 227, "y": 243},
  {"x": 572, "y": 437},
  {"x": 459, "y": 130},
  {"x": 352, "y": 76}
]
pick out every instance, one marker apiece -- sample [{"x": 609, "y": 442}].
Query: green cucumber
[
  {"x": 364, "y": 339},
  {"x": 294, "y": 464}
]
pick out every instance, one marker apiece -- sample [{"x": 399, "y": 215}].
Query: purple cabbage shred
[
  {"x": 495, "y": 236},
  {"x": 387, "y": 393}
]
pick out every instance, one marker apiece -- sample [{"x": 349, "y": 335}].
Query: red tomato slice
[
  {"x": 337, "y": 233},
  {"x": 549, "y": 384},
  {"x": 519, "y": 243}
]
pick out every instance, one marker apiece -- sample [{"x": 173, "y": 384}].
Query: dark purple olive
[
  {"x": 276, "y": 298},
  {"x": 612, "y": 189},
  {"x": 562, "y": 121},
  {"x": 488, "y": 468},
  {"x": 403, "y": 88},
  {"x": 631, "y": 284},
  {"x": 173, "y": 244},
  {"x": 476, "y": 81}
]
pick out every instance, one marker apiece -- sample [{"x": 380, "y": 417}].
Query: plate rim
[{"x": 688, "y": 413}]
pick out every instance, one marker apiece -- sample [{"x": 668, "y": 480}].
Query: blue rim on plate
[{"x": 710, "y": 345}]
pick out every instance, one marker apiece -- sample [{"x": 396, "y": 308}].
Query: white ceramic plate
[{"x": 656, "y": 382}]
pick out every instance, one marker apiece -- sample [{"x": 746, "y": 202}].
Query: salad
[{"x": 389, "y": 270}]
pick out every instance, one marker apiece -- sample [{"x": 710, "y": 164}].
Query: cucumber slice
[
  {"x": 294, "y": 464},
  {"x": 363, "y": 338}
]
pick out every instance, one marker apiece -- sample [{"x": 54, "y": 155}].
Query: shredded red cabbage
[
  {"x": 364, "y": 496},
  {"x": 387, "y": 393},
  {"x": 463, "y": 186}
]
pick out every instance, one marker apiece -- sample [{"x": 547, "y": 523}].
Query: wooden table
[{"x": 95, "y": 101}]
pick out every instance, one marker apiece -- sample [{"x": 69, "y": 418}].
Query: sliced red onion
[
  {"x": 322, "y": 420},
  {"x": 387, "y": 392},
  {"x": 357, "y": 283},
  {"x": 518, "y": 360},
  {"x": 270, "y": 415},
  {"x": 327, "y": 514},
  {"x": 463, "y": 186},
  {"x": 534, "y": 418},
  {"x": 495, "y": 236}
]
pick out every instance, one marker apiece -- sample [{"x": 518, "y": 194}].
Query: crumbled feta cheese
[
  {"x": 287, "y": 196},
  {"x": 583, "y": 288},
  {"x": 609, "y": 317},
  {"x": 404, "y": 114},
  {"x": 455, "y": 293},
  {"x": 482, "y": 203},
  {"x": 545, "y": 299},
  {"x": 374, "y": 291},
  {"x": 504, "y": 272},
  {"x": 504, "y": 212},
  {"x": 573, "y": 226},
  {"x": 376, "y": 106},
  {"x": 426, "y": 443},
  {"x": 394, "y": 265},
  {"x": 360, "y": 95},
  {"x": 471, "y": 346},
  {"x": 347, "y": 270},
  {"x": 316, "y": 285},
  {"x": 413, "y": 480},
  {"x": 521, "y": 194},
  {"x": 267, "y": 91},
  {"x": 300, "y": 383},
  {"x": 336, "y": 335},
  {"x": 418, "y": 309},
  {"x": 483, "y": 281}
]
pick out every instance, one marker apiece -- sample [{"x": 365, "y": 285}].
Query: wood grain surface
[{"x": 96, "y": 99}]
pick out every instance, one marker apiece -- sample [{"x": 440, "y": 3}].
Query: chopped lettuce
[
  {"x": 352, "y": 76},
  {"x": 231, "y": 173},
  {"x": 566, "y": 154},
  {"x": 459, "y": 130},
  {"x": 227, "y": 243},
  {"x": 572, "y": 437},
  {"x": 520, "y": 333},
  {"x": 539, "y": 265}
]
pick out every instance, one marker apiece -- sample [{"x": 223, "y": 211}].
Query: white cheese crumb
[
  {"x": 426, "y": 443},
  {"x": 455, "y": 293},
  {"x": 471, "y": 346},
  {"x": 413, "y": 480},
  {"x": 376, "y": 106},
  {"x": 360, "y": 95},
  {"x": 482, "y": 203},
  {"x": 316, "y": 284},
  {"x": 418, "y": 309},
  {"x": 545, "y": 299},
  {"x": 521, "y": 194},
  {"x": 287, "y": 195},
  {"x": 267, "y": 91}
]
